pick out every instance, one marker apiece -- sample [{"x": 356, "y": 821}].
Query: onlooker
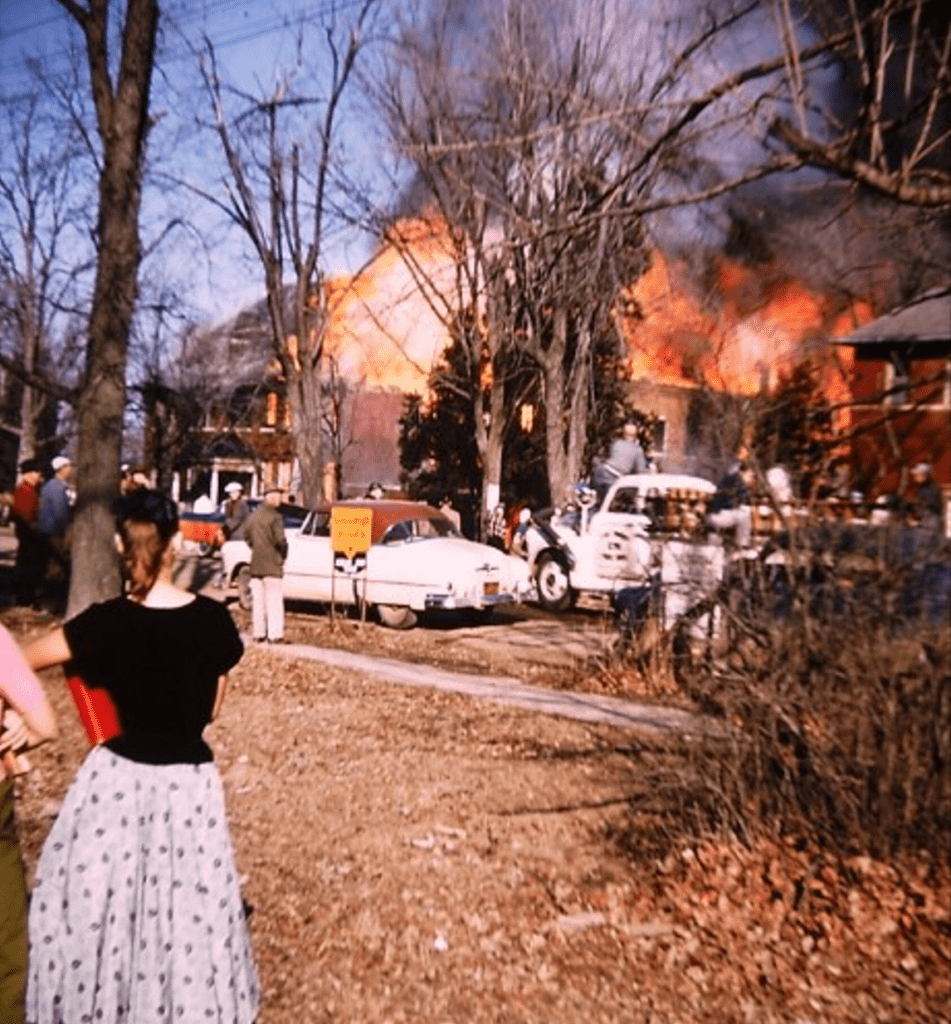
[
  {"x": 731, "y": 508},
  {"x": 236, "y": 511},
  {"x": 264, "y": 533},
  {"x": 496, "y": 528},
  {"x": 30, "y": 561},
  {"x": 132, "y": 480},
  {"x": 926, "y": 504},
  {"x": 26, "y": 719},
  {"x": 136, "y": 912},
  {"x": 627, "y": 456},
  {"x": 55, "y": 510},
  {"x": 53, "y": 522},
  {"x": 450, "y": 513},
  {"x": 374, "y": 492}
]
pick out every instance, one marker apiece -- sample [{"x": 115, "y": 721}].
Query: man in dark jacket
[
  {"x": 236, "y": 511},
  {"x": 30, "y": 561},
  {"x": 264, "y": 534},
  {"x": 53, "y": 522},
  {"x": 731, "y": 505}
]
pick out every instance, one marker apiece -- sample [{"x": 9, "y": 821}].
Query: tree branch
[{"x": 894, "y": 185}]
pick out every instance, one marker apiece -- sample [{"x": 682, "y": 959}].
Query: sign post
[{"x": 350, "y": 533}]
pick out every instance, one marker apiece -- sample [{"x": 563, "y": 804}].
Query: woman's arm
[
  {"x": 219, "y": 696},
  {"x": 21, "y": 691},
  {"x": 51, "y": 649}
]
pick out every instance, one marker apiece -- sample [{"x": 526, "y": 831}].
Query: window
[
  {"x": 318, "y": 525},
  {"x": 898, "y": 378},
  {"x": 659, "y": 437},
  {"x": 398, "y": 532}
]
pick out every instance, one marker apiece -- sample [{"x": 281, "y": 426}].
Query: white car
[
  {"x": 650, "y": 527},
  {"x": 417, "y": 561}
]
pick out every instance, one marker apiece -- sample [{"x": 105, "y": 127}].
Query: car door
[
  {"x": 308, "y": 569},
  {"x": 397, "y": 568}
]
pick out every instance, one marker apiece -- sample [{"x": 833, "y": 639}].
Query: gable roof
[{"x": 927, "y": 318}]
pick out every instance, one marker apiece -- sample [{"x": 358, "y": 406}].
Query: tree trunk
[
  {"x": 31, "y": 402},
  {"x": 122, "y": 120},
  {"x": 492, "y": 448},
  {"x": 575, "y": 424},
  {"x": 306, "y": 412},
  {"x": 552, "y": 360}
]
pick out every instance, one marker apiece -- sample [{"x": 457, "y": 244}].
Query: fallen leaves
[{"x": 391, "y": 881}]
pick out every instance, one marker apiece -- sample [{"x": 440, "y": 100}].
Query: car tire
[
  {"x": 242, "y": 580},
  {"x": 553, "y": 583},
  {"x": 396, "y": 616}
]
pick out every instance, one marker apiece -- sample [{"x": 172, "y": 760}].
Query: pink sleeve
[{"x": 18, "y": 684}]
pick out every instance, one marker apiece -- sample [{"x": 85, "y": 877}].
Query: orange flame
[
  {"x": 387, "y": 325},
  {"x": 756, "y": 331}
]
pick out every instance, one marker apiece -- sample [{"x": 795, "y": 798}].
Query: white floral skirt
[{"x": 136, "y": 913}]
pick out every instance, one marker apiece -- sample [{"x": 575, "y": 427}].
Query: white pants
[
  {"x": 739, "y": 519},
  {"x": 267, "y": 607}
]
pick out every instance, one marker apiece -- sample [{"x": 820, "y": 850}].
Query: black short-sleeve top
[{"x": 161, "y": 667}]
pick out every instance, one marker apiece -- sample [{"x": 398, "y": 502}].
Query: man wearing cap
[
  {"x": 264, "y": 533},
  {"x": 53, "y": 520},
  {"x": 627, "y": 456},
  {"x": 24, "y": 510},
  {"x": 236, "y": 511}
]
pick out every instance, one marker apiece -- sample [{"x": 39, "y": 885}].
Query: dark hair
[{"x": 146, "y": 522}]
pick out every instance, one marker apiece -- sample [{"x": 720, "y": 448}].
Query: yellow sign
[{"x": 350, "y": 530}]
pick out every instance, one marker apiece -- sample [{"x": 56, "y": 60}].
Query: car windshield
[{"x": 627, "y": 500}]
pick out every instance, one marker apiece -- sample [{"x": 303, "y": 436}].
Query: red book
[{"x": 96, "y": 711}]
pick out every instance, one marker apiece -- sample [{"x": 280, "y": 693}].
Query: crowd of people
[{"x": 41, "y": 513}]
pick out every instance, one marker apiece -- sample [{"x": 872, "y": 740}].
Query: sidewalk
[{"x": 505, "y": 690}]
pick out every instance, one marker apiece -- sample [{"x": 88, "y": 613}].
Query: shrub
[{"x": 832, "y": 677}]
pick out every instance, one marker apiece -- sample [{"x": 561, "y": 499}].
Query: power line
[{"x": 246, "y": 33}]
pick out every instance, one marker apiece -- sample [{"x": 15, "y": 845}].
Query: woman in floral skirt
[{"x": 136, "y": 914}]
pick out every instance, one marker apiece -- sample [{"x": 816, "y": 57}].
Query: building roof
[{"x": 927, "y": 318}]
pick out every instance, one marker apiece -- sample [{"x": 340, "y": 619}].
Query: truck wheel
[
  {"x": 396, "y": 616},
  {"x": 242, "y": 581},
  {"x": 554, "y": 586}
]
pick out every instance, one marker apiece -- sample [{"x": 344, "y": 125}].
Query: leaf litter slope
[{"x": 414, "y": 855}]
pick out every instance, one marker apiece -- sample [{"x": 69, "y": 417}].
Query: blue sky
[{"x": 252, "y": 41}]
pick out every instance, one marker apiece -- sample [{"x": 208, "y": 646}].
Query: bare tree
[
  {"x": 885, "y": 123},
  {"x": 545, "y": 147},
  {"x": 278, "y": 191},
  {"x": 120, "y": 91},
  {"x": 42, "y": 240}
]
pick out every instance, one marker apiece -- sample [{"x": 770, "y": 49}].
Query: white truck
[{"x": 650, "y": 529}]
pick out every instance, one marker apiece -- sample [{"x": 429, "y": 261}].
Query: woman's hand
[{"x": 16, "y": 735}]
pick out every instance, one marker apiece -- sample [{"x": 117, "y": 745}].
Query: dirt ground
[{"x": 419, "y": 856}]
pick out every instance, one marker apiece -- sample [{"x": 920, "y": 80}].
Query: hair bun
[{"x": 148, "y": 506}]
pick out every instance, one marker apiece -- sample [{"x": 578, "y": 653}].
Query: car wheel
[
  {"x": 396, "y": 616},
  {"x": 554, "y": 586},
  {"x": 242, "y": 581},
  {"x": 205, "y": 549}
]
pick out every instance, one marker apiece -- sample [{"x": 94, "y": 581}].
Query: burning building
[{"x": 697, "y": 361}]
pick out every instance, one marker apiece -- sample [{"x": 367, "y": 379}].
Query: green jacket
[{"x": 264, "y": 533}]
